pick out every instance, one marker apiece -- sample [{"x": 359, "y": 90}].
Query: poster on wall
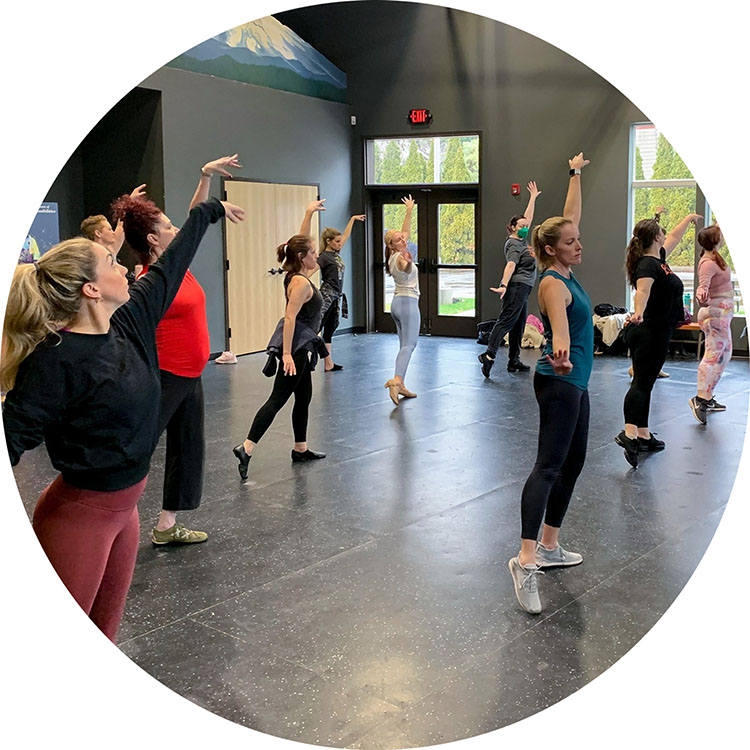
[{"x": 44, "y": 234}]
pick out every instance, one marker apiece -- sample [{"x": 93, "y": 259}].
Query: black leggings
[
  {"x": 283, "y": 387},
  {"x": 181, "y": 413},
  {"x": 648, "y": 348},
  {"x": 330, "y": 321},
  {"x": 512, "y": 320},
  {"x": 563, "y": 435}
]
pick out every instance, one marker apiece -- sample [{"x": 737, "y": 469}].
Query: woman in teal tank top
[{"x": 561, "y": 388}]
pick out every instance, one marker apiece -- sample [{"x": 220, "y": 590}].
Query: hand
[
  {"x": 139, "y": 192},
  {"x": 634, "y": 318},
  {"x": 578, "y": 162},
  {"x": 359, "y": 217},
  {"x": 499, "y": 290},
  {"x": 561, "y": 364},
  {"x": 408, "y": 202},
  {"x": 220, "y": 166},
  {"x": 696, "y": 219},
  {"x": 316, "y": 206},
  {"x": 235, "y": 214},
  {"x": 702, "y": 296},
  {"x": 288, "y": 362},
  {"x": 532, "y": 188},
  {"x": 407, "y": 256}
]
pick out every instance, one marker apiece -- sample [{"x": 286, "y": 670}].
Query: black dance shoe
[
  {"x": 631, "y": 448},
  {"x": 243, "y": 458},
  {"x": 487, "y": 361},
  {"x": 517, "y": 366},
  {"x": 336, "y": 368},
  {"x": 308, "y": 455}
]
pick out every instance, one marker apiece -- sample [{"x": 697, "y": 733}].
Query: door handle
[
  {"x": 422, "y": 265},
  {"x": 433, "y": 267},
  {"x": 274, "y": 271}
]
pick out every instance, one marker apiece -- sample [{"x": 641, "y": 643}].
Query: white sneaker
[
  {"x": 525, "y": 585},
  {"x": 556, "y": 558},
  {"x": 226, "y": 358}
]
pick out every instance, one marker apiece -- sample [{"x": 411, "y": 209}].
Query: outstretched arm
[
  {"x": 217, "y": 166},
  {"x": 349, "y": 225},
  {"x": 572, "y": 210},
  {"x": 406, "y": 226},
  {"x": 510, "y": 267},
  {"x": 674, "y": 237},
  {"x": 304, "y": 227},
  {"x": 534, "y": 193},
  {"x": 640, "y": 299}
]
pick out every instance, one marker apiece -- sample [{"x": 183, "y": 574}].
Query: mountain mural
[{"x": 266, "y": 53}]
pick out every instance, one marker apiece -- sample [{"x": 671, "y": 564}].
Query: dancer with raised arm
[
  {"x": 658, "y": 310},
  {"x": 298, "y": 339},
  {"x": 182, "y": 341},
  {"x": 332, "y": 283},
  {"x": 561, "y": 388},
  {"x": 98, "y": 228},
  {"x": 400, "y": 264},
  {"x": 519, "y": 276},
  {"x": 82, "y": 371}
]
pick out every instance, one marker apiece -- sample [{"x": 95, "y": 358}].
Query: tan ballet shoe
[
  {"x": 393, "y": 390},
  {"x": 406, "y": 393}
]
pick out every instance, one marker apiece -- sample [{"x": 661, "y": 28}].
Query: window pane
[
  {"x": 393, "y": 218},
  {"x": 456, "y": 235},
  {"x": 739, "y": 304},
  {"x": 655, "y": 159},
  {"x": 457, "y": 292},
  {"x": 424, "y": 161}
]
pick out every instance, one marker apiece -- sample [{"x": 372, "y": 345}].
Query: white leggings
[{"x": 405, "y": 313}]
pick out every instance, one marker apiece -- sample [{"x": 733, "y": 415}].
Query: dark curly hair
[{"x": 140, "y": 217}]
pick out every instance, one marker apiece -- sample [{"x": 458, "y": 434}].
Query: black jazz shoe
[
  {"x": 631, "y": 448},
  {"x": 517, "y": 366},
  {"x": 308, "y": 455},
  {"x": 487, "y": 361},
  {"x": 243, "y": 458},
  {"x": 650, "y": 444}
]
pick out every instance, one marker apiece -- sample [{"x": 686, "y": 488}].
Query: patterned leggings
[{"x": 715, "y": 321}]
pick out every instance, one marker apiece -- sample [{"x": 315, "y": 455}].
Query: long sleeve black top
[{"x": 93, "y": 399}]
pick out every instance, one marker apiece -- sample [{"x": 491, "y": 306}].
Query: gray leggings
[{"x": 405, "y": 313}]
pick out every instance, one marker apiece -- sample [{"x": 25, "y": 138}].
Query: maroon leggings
[{"x": 91, "y": 539}]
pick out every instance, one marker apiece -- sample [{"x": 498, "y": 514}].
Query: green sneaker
[{"x": 177, "y": 534}]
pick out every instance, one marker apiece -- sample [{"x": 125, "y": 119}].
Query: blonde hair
[
  {"x": 44, "y": 297},
  {"x": 90, "y": 224},
  {"x": 388, "y": 239},
  {"x": 547, "y": 233},
  {"x": 329, "y": 233}
]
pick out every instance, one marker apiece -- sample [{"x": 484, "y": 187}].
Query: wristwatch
[
  {"x": 502, "y": 286},
  {"x": 573, "y": 172}
]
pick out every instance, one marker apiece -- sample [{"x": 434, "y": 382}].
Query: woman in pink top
[{"x": 716, "y": 296}]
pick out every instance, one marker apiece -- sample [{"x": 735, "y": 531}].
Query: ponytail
[
  {"x": 544, "y": 234},
  {"x": 290, "y": 253},
  {"x": 709, "y": 238},
  {"x": 44, "y": 297},
  {"x": 644, "y": 235}
]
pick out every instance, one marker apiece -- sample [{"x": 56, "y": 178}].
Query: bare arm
[
  {"x": 554, "y": 298},
  {"x": 510, "y": 267},
  {"x": 299, "y": 292},
  {"x": 534, "y": 193},
  {"x": 642, "y": 293},
  {"x": 572, "y": 209},
  {"x": 217, "y": 166},
  {"x": 674, "y": 237},
  {"x": 404, "y": 261},
  {"x": 406, "y": 226},
  {"x": 349, "y": 225},
  {"x": 304, "y": 227}
]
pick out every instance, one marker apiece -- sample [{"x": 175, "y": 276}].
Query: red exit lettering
[{"x": 419, "y": 116}]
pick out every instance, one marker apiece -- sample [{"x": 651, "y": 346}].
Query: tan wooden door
[{"x": 255, "y": 296}]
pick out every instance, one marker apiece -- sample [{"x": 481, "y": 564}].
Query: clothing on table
[
  {"x": 716, "y": 323},
  {"x": 406, "y": 316},
  {"x": 512, "y": 320},
  {"x": 517, "y": 251},
  {"x": 91, "y": 398},
  {"x": 581, "y": 331}
]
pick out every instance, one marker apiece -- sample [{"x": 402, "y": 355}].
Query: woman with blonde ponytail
[{"x": 83, "y": 376}]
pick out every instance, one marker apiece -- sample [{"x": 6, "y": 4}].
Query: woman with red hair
[
  {"x": 183, "y": 344},
  {"x": 716, "y": 296}
]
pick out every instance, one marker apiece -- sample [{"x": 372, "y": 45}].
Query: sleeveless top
[
  {"x": 310, "y": 313},
  {"x": 407, "y": 284},
  {"x": 581, "y": 329}
]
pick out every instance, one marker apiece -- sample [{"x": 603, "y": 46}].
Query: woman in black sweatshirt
[{"x": 82, "y": 371}]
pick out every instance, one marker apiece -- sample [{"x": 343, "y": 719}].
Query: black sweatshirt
[{"x": 93, "y": 399}]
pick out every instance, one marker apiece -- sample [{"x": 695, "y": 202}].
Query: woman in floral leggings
[{"x": 716, "y": 296}]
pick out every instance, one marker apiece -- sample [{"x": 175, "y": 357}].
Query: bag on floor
[{"x": 483, "y": 331}]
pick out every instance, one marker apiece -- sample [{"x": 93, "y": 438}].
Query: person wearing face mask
[
  {"x": 561, "y": 389},
  {"x": 301, "y": 323},
  {"x": 183, "y": 344},
  {"x": 658, "y": 309},
  {"x": 81, "y": 365},
  {"x": 518, "y": 279}
]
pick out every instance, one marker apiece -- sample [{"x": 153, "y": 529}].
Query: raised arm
[
  {"x": 208, "y": 170},
  {"x": 138, "y": 192},
  {"x": 674, "y": 237},
  {"x": 304, "y": 227},
  {"x": 534, "y": 193},
  {"x": 554, "y": 297},
  {"x": 572, "y": 209},
  {"x": 299, "y": 292},
  {"x": 349, "y": 225},
  {"x": 406, "y": 226}
]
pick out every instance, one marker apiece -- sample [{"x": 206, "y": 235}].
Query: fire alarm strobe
[
  {"x": 515, "y": 189},
  {"x": 419, "y": 116}
]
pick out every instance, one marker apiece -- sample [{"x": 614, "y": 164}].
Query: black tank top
[{"x": 310, "y": 313}]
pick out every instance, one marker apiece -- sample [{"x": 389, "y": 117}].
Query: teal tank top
[{"x": 581, "y": 328}]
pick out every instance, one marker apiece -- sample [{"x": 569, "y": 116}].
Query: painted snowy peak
[{"x": 266, "y": 42}]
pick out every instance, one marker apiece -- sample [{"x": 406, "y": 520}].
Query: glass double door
[{"x": 443, "y": 240}]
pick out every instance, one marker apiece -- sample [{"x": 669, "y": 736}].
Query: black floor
[{"x": 364, "y": 600}]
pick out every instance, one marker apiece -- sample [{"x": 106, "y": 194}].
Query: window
[{"x": 438, "y": 160}]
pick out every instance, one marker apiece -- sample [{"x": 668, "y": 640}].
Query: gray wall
[{"x": 280, "y": 137}]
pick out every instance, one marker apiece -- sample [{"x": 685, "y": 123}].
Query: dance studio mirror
[{"x": 367, "y": 590}]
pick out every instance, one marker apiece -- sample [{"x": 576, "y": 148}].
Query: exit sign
[{"x": 419, "y": 116}]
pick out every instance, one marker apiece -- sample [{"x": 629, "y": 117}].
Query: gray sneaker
[
  {"x": 698, "y": 407},
  {"x": 525, "y": 584},
  {"x": 556, "y": 558}
]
